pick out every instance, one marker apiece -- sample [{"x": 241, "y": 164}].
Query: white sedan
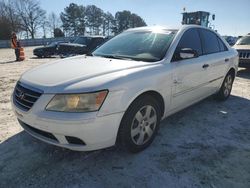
[{"x": 121, "y": 92}]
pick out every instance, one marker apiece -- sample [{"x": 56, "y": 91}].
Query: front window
[
  {"x": 244, "y": 40},
  {"x": 147, "y": 46}
]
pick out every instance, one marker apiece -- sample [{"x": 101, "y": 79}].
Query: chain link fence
[{"x": 36, "y": 42}]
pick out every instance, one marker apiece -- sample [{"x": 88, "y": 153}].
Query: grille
[
  {"x": 244, "y": 54},
  {"x": 38, "y": 131},
  {"x": 24, "y": 97}
]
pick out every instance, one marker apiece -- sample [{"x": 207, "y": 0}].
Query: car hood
[
  {"x": 241, "y": 47},
  {"x": 59, "y": 76}
]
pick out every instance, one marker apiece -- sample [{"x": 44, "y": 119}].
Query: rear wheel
[
  {"x": 140, "y": 124},
  {"x": 226, "y": 87}
]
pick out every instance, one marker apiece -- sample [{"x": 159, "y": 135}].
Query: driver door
[{"x": 189, "y": 75}]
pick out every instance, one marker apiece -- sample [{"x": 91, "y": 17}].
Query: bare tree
[
  {"x": 31, "y": 15},
  {"x": 45, "y": 26},
  {"x": 53, "y": 22},
  {"x": 9, "y": 20}
]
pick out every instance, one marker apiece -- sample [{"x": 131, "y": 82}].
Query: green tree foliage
[
  {"x": 78, "y": 20},
  {"x": 126, "y": 19},
  {"x": 74, "y": 19},
  {"x": 27, "y": 16},
  {"x": 108, "y": 24},
  {"x": 58, "y": 33},
  {"x": 94, "y": 17}
]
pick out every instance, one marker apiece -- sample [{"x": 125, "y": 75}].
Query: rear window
[
  {"x": 210, "y": 42},
  {"x": 222, "y": 45}
]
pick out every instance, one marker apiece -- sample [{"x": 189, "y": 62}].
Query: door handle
[
  {"x": 226, "y": 60},
  {"x": 205, "y": 66},
  {"x": 176, "y": 81}
]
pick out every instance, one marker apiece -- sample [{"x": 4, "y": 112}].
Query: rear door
[
  {"x": 215, "y": 58},
  {"x": 189, "y": 76}
]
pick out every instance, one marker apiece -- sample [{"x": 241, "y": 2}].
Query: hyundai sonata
[{"x": 121, "y": 91}]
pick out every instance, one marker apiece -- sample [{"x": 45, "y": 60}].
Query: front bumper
[
  {"x": 38, "y": 53},
  {"x": 75, "y": 131}
]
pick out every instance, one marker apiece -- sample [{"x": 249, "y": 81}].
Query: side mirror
[{"x": 187, "y": 53}]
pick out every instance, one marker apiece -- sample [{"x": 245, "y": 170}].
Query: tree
[
  {"x": 73, "y": 19},
  {"x": 94, "y": 18},
  {"x": 136, "y": 21},
  {"x": 58, "y": 33},
  {"x": 108, "y": 23},
  {"x": 122, "y": 20},
  {"x": 31, "y": 15},
  {"x": 9, "y": 20},
  {"x": 5, "y": 29},
  {"x": 53, "y": 22},
  {"x": 125, "y": 20}
]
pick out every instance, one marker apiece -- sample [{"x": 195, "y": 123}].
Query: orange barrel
[{"x": 21, "y": 54}]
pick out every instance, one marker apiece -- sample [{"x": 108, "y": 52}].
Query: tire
[
  {"x": 140, "y": 124},
  {"x": 226, "y": 87}
]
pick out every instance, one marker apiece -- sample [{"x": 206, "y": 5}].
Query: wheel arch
[
  {"x": 232, "y": 71},
  {"x": 154, "y": 94}
]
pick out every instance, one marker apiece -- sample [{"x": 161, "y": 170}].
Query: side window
[
  {"x": 210, "y": 42},
  {"x": 190, "y": 39},
  {"x": 222, "y": 45}
]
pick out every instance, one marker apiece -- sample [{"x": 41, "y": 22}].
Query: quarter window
[{"x": 222, "y": 45}]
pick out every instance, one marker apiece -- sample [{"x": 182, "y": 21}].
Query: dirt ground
[{"x": 206, "y": 145}]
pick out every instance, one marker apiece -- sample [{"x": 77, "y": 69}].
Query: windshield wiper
[
  {"x": 115, "y": 57},
  {"x": 89, "y": 54}
]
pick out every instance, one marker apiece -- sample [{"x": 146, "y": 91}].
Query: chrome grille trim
[
  {"x": 244, "y": 54},
  {"x": 25, "y": 96}
]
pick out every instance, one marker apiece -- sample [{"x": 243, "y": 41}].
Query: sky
[{"x": 232, "y": 17}]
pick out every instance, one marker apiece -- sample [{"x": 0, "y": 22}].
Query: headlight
[{"x": 86, "y": 102}]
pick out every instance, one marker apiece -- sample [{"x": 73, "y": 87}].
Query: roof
[
  {"x": 93, "y": 36},
  {"x": 167, "y": 29},
  {"x": 152, "y": 28},
  {"x": 196, "y": 12}
]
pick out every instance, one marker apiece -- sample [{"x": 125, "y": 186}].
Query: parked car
[
  {"x": 121, "y": 92},
  {"x": 82, "y": 45},
  {"x": 243, "y": 48},
  {"x": 230, "y": 40},
  {"x": 47, "y": 51}
]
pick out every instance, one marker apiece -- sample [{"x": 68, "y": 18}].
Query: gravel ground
[{"x": 205, "y": 145}]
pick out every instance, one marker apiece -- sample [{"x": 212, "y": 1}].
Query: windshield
[
  {"x": 81, "y": 40},
  {"x": 137, "y": 45},
  {"x": 52, "y": 44},
  {"x": 244, "y": 40}
]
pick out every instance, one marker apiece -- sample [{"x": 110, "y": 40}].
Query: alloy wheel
[
  {"x": 143, "y": 125},
  {"x": 228, "y": 85}
]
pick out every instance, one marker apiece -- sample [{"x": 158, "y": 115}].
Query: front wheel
[
  {"x": 226, "y": 87},
  {"x": 140, "y": 124}
]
